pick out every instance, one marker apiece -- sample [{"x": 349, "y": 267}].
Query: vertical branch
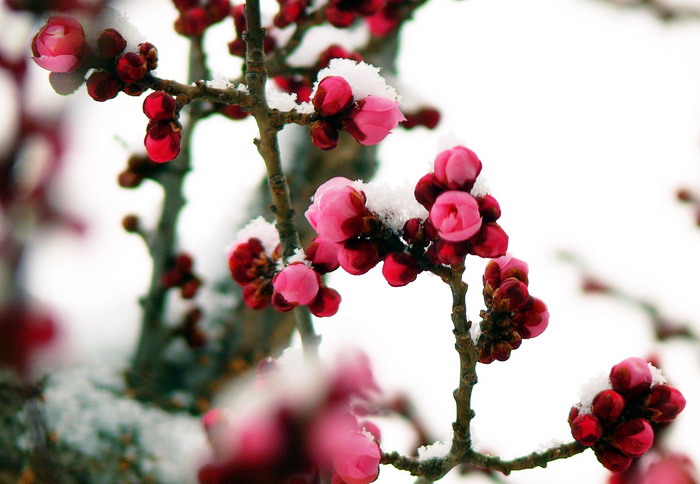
[
  {"x": 461, "y": 442},
  {"x": 267, "y": 144}
]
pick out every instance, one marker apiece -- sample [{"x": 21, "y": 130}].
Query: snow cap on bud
[
  {"x": 333, "y": 96},
  {"x": 633, "y": 437},
  {"x": 586, "y": 429},
  {"x": 457, "y": 168},
  {"x": 373, "y": 119},
  {"x": 297, "y": 283},
  {"x": 159, "y": 106},
  {"x": 631, "y": 377},
  {"x": 400, "y": 268},
  {"x": 59, "y": 45},
  {"x": 455, "y": 215},
  {"x": 664, "y": 403}
]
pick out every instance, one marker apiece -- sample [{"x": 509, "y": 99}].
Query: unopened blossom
[
  {"x": 455, "y": 215},
  {"x": 457, "y": 168},
  {"x": 162, "y": 141},
  {"x": 333, "y": 96},
  {"x": 373, "y": 119},
  {"x": 297, "y": 283},
  {"x": 338, "y": 210},
  {"x": 60, "y": 44}
]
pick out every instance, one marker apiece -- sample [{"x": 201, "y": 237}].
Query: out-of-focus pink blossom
[
  {"x": 338, "y": 210},
  {"x": 457, "y": 168},
  {"x": 455, "y": 215},
  {"x": 373, "y": 119},
  {"x": 60, "y": 44},
  {"x": 297, "y": 283},
  {"x": 381, "y": 23},
  {"x": 671, "y": 469},
  {"x": 358, "y": 461}
]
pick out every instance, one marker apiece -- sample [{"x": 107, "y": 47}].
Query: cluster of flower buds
[
  {"x": 23, "y": 331},
  {"x": 618, "y": 422},
  {"x": 164, "y": 132},
  {"x": 340, "y": 13},
  {"x": 60, "y": 47},
  {"x": 302, "y": 85},
  {"x": 369, "y": 120},
  {"x": 428, "y": 117},
  {"x": 465, "y": 223},
  {"x": 256, "y": 267},
  {"x": 237, "y": 46},
  {"x": 181, "y": 275},
  {"x": 512, "y": 314},
  {"x": 194, "y": 18},
  {"x": 289, "y": 439}
]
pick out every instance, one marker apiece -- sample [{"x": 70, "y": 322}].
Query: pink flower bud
[
  {"x": 103, "y": 85},
  {"x": 323, "y": 255},
  {"x": 297, "y": 283},
  {"x": 358, "y": 256},
  {"x": 664, "y": 403},
  {"x": 532, "y": 319},
  {"x": 586, "y": 429},
  {"x": 326, "y": 303},
  {"x": 60, "y": 44},
  {"x": 427, "y": 190},
  {"x": 324, "y": 135},
  {"x": 373, "y": 119},
  {"x": 400, "y": 268},
  {"x": 608, "y": 405},
  {"x": 457, "y": 168},
  {"x": 511, "y": 296},
  {"x": 333, "y": 96},
  {"x": 631, "y": 377},
  {"x": 338, "y": 211},
  {"x": 162, "y": 141},
  {"x": 455, "y": 215},
  {"x": 110, "y": 43},
  {"x": 490, "y": 241},
  {"x": 159, "y": 106},
  {"x": 633, "y": 437},
  {"x": 131, "y": 67},
  {"x": 358, "y": 461}
]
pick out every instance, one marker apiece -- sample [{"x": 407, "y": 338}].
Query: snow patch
[
  {"x": 282, "y": 101},
  {"x": 260, "y": 229},
  {"x": 363, "y": 78},
  {"x": 393, "y": 204},
  {"x": 437, "y": 449}
]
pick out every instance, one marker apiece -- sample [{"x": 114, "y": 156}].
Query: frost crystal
[
  {"x": 363, "y": 78},
  {"x": 219, "y": 82},
  {"x": 435, "y": 450},
  {"x": 393, "y": 204},
  {"x": 588, "y": 392},
  {"x": 260, "y": 229},
  {"x": 299, "y": 256},
  {"x": 657, "y": 377},
  {"x": 279, "y": 100}
]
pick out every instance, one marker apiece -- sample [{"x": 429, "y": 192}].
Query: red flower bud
[
  {"x": 400, "y": 268},
  {"x": 633, "y": 437},
  {"x": 258, "y": 293},
  {"x": 491, "y": 241},
  {"x": 608, "y": 405},
  {"x": 159, "y": 106},
  {"x": 324, "y": 135},
  {"x": 103, "y": 85},
  {"x": 358, "y": 256},
  {"x": 150, "y": 53},
  {"x": 427, "y": 190},
  {"x": 586, "y": 429},
  {"x": 110, "y": 43},
  {"x": 162, "y": 141},
  {"x": 489, "y": 208},
  {"x": 333, "y": 96},
  {"x": 131, "y": 67},
  {"x": 326, "y": 303},
  {"x": 611, "y": 458},
  {"x": 664, "y": 403},
  {"x": 511, "y": 296}
]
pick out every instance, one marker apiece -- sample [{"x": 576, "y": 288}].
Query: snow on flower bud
[
  {"x": 457, "y": 168},
  {"x": 326, "y": 303},
  {"x": 324, "y": 135},
  {"x": 373, "y": 119},
  {"x": 159, "y": 106},
  {"x": 633, "y": 437},
  {"x": 455, "y": 215},
  {"x": 586, "y": 429},
  {"x": 631, "y": 377},
  {"x": 333, "y": 96},
  {"x": 162, "y": 141},
  {"x": 131, "y": 67},
  {"x": 60, "y": 44},
  {"x": 608, "y": 405},
  {"x": 358, "y": 256},
  {"x": 664, "y": 403},
  {"x": 400, "y": 268},
  {"x": 297, "y": 283},
  {"x": 338, "y": 210}
]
